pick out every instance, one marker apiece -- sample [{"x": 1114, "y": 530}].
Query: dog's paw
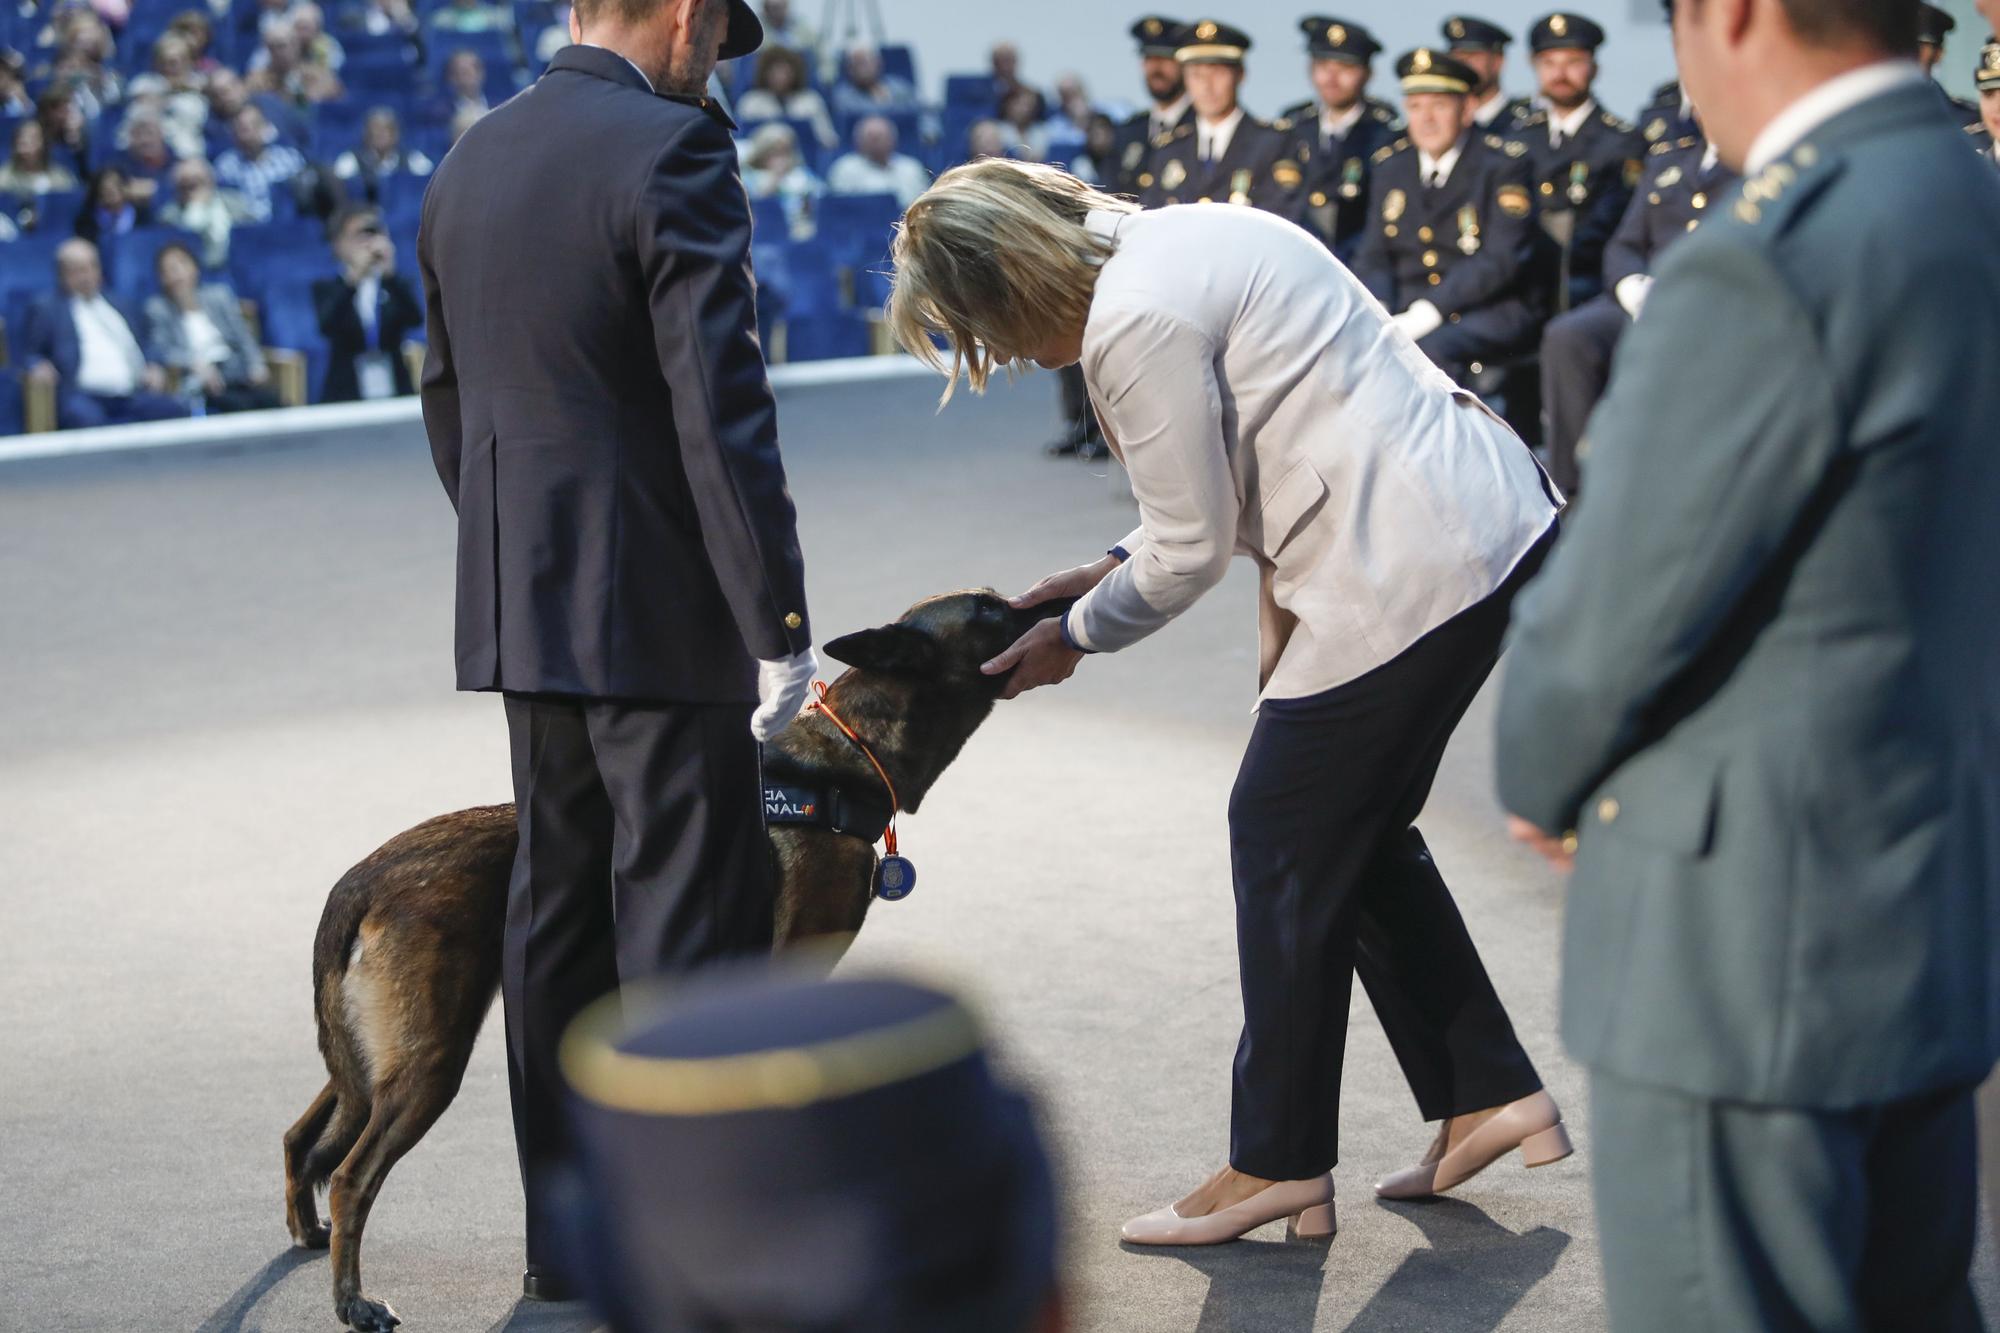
[
  {"x": 315, "y": 1237},
  {"x": 366, "y": 1316}
]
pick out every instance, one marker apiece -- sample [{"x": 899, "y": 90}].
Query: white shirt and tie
[
  {"x": 1164, "y": 118},
  {"x": 1212, "y": 138},
  {"x": 1567, "y": 125},
  {"x": 109, "y": 362},
  {"x": 1337, "y": 125}
]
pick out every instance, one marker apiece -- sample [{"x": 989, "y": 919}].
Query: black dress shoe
[
  {"x": 539, "y": 1284},
  {"x": 1063, "y": 447}
]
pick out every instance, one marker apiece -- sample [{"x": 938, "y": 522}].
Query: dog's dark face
[{"x": 945, "y": 639}]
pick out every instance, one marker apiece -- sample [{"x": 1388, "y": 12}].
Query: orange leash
[{"x": 820, "y": 705}]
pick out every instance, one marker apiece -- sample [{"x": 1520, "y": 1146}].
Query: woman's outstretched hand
[
  {"x": 1068, "y": 583},
  {"x": 1038, "y": 658}
]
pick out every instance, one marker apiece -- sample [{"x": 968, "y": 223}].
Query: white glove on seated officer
[{"x": 782, "y": 685}]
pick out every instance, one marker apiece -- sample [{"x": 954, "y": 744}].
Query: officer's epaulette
[
  {"x": 1670, "y": 89},
  {"x": 1976, "y": 127},
  {"x": 1664, "y": 146},
  {"x": 1383, "y": 113},
  {"x": 1283, "y": 124},
  {"x": 1296, "y": 111},
  {"x": 1768, "y": 200},
  {"x": 1384, "y": 154},
  {"x": 1688, "y": 140},
  {"x": 1535, "y": 118},
  {"x": 1614, "y": 123},
  {"x": 1502, "y": 144}
]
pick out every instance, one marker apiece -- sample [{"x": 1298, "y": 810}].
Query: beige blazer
[{"x": 1263, "y": 403}]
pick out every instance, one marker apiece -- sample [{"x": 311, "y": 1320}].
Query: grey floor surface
[{"x": 227, "y": 677}]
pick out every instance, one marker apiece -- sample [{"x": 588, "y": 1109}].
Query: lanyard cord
[{"x": 820, "y": 705}]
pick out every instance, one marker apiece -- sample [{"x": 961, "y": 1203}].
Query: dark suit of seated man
[
  {"x": 366, "y": 312},
  {"x": 1682, "y": 181},
  {"x": 82, "y": 342},
  {"x": 1452, "y": 243}
]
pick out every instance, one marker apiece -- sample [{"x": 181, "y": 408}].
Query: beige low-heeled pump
[
  {"x": 1306, "y": 1204},
  {"x": 1533, "y": 1125}
]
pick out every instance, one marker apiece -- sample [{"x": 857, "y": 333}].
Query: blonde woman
[{"x": 1264, "y": 403}]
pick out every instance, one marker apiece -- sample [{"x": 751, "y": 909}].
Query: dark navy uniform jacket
[
  {"x": 1469, "y": 245},
  {"x": 1254, "y": 170},
  {"x": 1332, "y": 201},
  {"x": 1983, "y": 142},
  {"x": 1134, "y": 152},
  {"x": 1582, "y": 187},
  {"x": 597, "y": 402},
  {"x": 1666, "y": 115},
  {"x": 1675, "y": 196}
]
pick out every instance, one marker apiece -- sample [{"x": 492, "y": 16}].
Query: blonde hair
[{"x": 995, "y": 255}]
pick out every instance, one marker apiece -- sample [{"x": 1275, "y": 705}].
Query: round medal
[{"x": 894, "y": 879}]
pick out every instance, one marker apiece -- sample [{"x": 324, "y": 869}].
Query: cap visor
[{"x": 746, "y": 31}]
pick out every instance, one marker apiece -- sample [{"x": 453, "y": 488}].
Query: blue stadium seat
[
  {"x": 855, "y": 228},
  {"x": 495, "y": 48},
  {"x": 56, "y": 212},
  {"x": 260, "y": 256},
  {"x": 129, "y": 259},
  {"x": 768, "y": 223},
  {"x": 969, "y": 90},
  {"x": 377, "y": 72},
  {"x": 898, "y": 62},
  {"x": 290, "y": 321},
  {"x": 909, "y": 124},
  {"x": 14, "y": 306},
  {"x": 30, "y": 262},
  {"x": 822, "y": 337},
  {"x": 10, "y": 404}
]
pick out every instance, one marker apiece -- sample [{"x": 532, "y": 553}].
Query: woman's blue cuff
[
  {"x": 1069, "y": 640},
  {"x": 1122, "y": 554}
]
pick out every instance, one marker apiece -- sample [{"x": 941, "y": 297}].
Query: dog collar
[{"x": 859, "y": 814}]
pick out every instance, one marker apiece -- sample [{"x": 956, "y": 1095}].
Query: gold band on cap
[
  {"x": 1434, "y": 83},
  {"x": 774, "y": 1080},
  {"x": 1210, "y": 51}
]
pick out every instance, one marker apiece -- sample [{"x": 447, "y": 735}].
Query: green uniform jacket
[{"x": 1761, "y": 673}]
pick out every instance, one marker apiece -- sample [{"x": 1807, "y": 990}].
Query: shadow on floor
[
  {"x": 1255, "y": 1286},
  {"x": 541, "y": 1317},
  {"x": 229, "y": 1317},
  {"x": 1472, "y": 1276}
]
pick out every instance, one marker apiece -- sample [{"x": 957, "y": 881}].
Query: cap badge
[
  {"x": 1205, "y": 31},
  {"x": 1336, "y": 34},
  {"x": 1559, "y": 25},
  {"x": 1420, "y": 63},
  {"x": 1455, "y": 29}
]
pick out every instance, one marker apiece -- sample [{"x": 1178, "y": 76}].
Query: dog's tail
[{"x": 333, "y": 945}]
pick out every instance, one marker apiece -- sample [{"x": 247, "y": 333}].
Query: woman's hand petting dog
[{"x": 1038, "y": 658}]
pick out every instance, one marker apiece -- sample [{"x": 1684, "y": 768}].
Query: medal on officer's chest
[
  {"x": 1173, "y": 174},
  {"x": 1579, "y": 182},
  {"x": 1350, "y": 179},
  {"x": 1468, "y": 230},
  {"x": 1239, "y": 187}
]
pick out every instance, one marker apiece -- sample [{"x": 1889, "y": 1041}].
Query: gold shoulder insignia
[
  {"x": 1384, "y": 154},
  {"x": 1282, "y": 124},
  {"x": 1689, "y": 140},
  {"x": 1536, "y": 118},
  {"x": 1975, "y": 127},
  {"x": 1660, "y": 148},
  {"x": 1622, "y": 126}
]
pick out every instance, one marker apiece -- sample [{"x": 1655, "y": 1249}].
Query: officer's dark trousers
[
  {"x": 1480, "y": 337},
  {"x": 1715, "y": 1217},
  {"x": 1079, "y": 421},
  {"x": 1576, "y": 365},
  {"x": 1333, "y": 879},
  {"x": 642, "y": 852}
]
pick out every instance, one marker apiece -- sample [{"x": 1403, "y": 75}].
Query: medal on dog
[{"x": 894, "y": 878}]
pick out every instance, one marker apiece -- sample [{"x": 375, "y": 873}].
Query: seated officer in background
[
  {"x": 1158, "y": 37},
  {"x": 1683, "y": 180},
  {"x": 1227, "y": 155},
  {"x": 1667, "y": 115},
  {"x": 1932, "y": 25},
  {"x": 1334, "y": 136},
  {"x": 764, "y": 1152},
  {"x": 1986, "y": 134},
  {"x": 1586, "y": 160},
  {"x": 1451, "y": 235},
  {"x": 1482, "y": 48}
]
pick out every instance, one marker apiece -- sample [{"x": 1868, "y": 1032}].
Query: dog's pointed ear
[{"x": 895, "y": 650}]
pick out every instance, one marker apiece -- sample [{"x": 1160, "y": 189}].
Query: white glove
[
  {"x": 1631, "y": 292},
  {"x": 1420, "y": 321},
  {"x": 782, "y": 686}
]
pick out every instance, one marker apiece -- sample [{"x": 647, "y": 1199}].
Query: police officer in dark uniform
[
  {"x": 1684, "y": 180},
  {"x": 1987, "y": 78},
  {"x": 1451, "y": 240},
  {"x": 1932, "y": 25},
  {"x": 1586, "y": 160},
  {"x": 1667, "y": 115},
  {"x": 1482, "y": 47},
  {"x": 1226, "y": 155},
  {"x": 1158, "y": 37},
  {"x": 1334, "y": 136}
]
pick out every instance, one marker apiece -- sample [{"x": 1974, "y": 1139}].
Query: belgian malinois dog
[{"x": 406, "y": 961}]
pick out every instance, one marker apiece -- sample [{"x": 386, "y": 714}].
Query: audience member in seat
[
  {"x": 198, "y": 329},
  {"x": 464, "y": 88},
  {"x": 772, "y": 170},
  {"x": 193, "y": 27},
  {"x": 281, "y": 69},
  {"x": 1006, "y": 60},
  {"x": 380, "y": 155},
  {"x": 174, "y": 88},
  {"x": 29, "y": 171},
  {"x": 82, "y": 66},
  {"x": 781, "y": 92},
  {"x": 79, "y": 341},
  {"x": 1098, "y": 162},
  {"x": 317, "y": 46},
  {"x": 146, "y": 160},
  {"x": 472, "y": 16},
  {"x": 875, "y": 167},
  {"x": 1021, "y": 122},
  {"x": 366, "y": 312},
  {"x": 379, "y": 18},
  {"x": 197, "y": 206},
  {"x": 228, "y": 95},
  {"x": 14, "y": 99},
  {"x": 66, "y": 129},
  {"x": 782, "y": 28},
  {"x": 257, "y": 167},
  {"x": 109, "y": 210},
  {"x": 986, "y": 138},
  {"x": 864, "y": 88}
]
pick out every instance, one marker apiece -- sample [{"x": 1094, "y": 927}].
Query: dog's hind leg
[
  {"x": 406, "y": 1105},
  {"x": 301, "y": 1212}
]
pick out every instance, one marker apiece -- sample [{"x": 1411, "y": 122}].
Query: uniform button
[
  {"x": 1548, "y": 187},
  {"x": 1319, "y": 199},
  {"x": 1693, "y": 223},
  {"x": 1430, "y": 259},
  {"x": 1607, "y": 810},
  {"x": 1700, "y": 200},
  {"x": 1452, "y": 318},
  {"x": 1426, "y": 235},
  {"x": 794, "y": 620},
  {"x": 1436, "y": 278},
  {"x": 1389, "y": 231},
  {"x": 1204, "y": 199},
  {"x": 1569, "y": 843}
]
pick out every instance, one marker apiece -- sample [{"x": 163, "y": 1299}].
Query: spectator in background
[
  {"x": 65, "y": 129},
  {"x": 173, "y": 88},
  {"x": 772, "y": 169},
  {"x": 109, "y": 209},
  {"x": 1098, "y": 162},
  {"x": 197, "y": 329},
  {"x": 30, "y": 171},
  {"x": 465, "y": 119},
  {"x": 472, "y": 16},
  {"x": 80, "y": 342},
  {"x": 83, "y": 65},
  {"x": 316, "y": 45},
  {"x": 379, "y": 18},
  {"x": 193, "y": 27},
  {"x": 366, "y": 312},
  {"x": 1006, "y": 60},
  {"x": 14, "y": 99},
  {"x": 552, "y": 38},
  {"x": 875, "y": 167},
  {"x": 985, "y": 139},
  {"x": 782, "y": 28},
  {"x": 864, "y": 89},
  {"x": 227, "y": 95},
  {"x": 280, "y": 68},
  {"x": 1073, "y": 110},
  {"x": 1021, "y": 123},
  {"x": 197, "y": 206},
  {"x": 256, "y": 168},
  {"x": 464, "y": 89},
  {"x": 781, "y": 92},
  {"x": 380, "y": 155},
  {"x": 146, "y": 160}
]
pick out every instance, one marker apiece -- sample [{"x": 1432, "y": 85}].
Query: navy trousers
[
  {"x": 1333, "y": 879},
  {"x": 642, "y": 852},
  {"x": 77, "y": 410},
  {"x": 1576, "y": 366}
]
